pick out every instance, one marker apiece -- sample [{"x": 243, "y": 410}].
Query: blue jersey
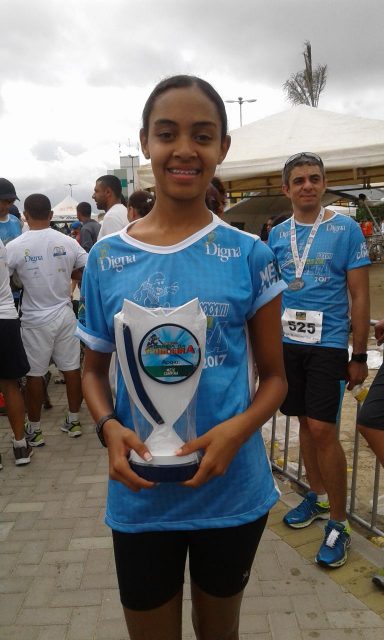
[
  {"x": 338, "y": 247},
  {"x": 10, "y": 229},
  {"x": 232, "y": 274}
]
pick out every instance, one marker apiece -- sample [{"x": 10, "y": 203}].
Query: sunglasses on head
[{"x": 304, "y": 155}]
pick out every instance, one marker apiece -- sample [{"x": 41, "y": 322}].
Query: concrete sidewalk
[{"x": 57, "y": 575}]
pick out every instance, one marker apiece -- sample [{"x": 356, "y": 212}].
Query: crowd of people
[{"x": 303, "y": 287}]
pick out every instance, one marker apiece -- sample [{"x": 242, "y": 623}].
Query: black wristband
[
  {"x": 359, "y": 357},
  {"x": 100, "y": 424}
]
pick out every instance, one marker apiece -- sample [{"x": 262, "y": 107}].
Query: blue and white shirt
[
  {"x": 338, "y": 247},
  {"x": 232, "y": 274},
  {"x": 9, "y": 229}
]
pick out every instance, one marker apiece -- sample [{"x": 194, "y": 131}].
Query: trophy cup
[{"x": 161, "y": 355}]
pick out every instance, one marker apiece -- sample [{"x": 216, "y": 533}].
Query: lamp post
[{"x": 240, "y": 101}]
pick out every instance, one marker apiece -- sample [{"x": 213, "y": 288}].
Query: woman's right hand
[{"x": 120, "y": 441}]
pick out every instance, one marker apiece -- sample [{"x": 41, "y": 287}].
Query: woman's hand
[
  {"x": 120, "y": 441},
  {"x": 220, "y": 444}
]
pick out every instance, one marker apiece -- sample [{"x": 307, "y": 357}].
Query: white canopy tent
[
  {"x": 65, "y": 211},
  {"x": 352, "y": 149}
]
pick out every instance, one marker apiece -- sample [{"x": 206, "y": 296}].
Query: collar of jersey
[
  {"x": 174, "y": 248},
  {"x": 310, "y": 224}
]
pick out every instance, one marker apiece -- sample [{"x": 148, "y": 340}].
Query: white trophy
[{"x": 161, "y": 356}]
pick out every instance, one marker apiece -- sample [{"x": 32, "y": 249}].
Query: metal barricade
[{"x": 294, "y": 471}]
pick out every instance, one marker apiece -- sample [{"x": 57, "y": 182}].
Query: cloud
[{"x": 49, "y": 150}]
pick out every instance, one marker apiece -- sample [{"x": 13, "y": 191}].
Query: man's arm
[
  {"x": 86, "y": 239},
  {"x": 358, "y": 286}
]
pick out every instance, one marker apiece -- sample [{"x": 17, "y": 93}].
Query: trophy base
[{"x": 165, "y": 472}]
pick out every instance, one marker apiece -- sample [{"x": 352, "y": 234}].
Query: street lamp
[{"x": 240, "y": 101}]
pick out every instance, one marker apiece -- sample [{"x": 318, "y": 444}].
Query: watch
[
  {"x": 359, "y": 357},
  {"x": 100, "y": 424}
]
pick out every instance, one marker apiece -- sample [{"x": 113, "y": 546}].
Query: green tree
[{"x": 305, "y": 87}]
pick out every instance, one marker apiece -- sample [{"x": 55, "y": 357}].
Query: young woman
[{"x": 178, "y": 252}]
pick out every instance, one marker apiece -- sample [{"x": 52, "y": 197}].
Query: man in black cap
[{"x": 10, "y": 226}]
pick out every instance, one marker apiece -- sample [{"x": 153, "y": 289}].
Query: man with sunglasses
[{"x": 322, "y": 257}]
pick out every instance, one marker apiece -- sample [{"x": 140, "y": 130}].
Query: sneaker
[
  {"x": 334, "y": 550},
  {"x": 378, "y": 579},
  {"x": 34, "y": 438},
  {"x": 306, "y": 512},
  {"x": 22, "y": 454},
  {"x": 72, "y": 428}
]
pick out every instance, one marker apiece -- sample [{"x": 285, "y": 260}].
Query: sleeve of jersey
[
  {"x": 358, "y": 255},
  {"x": 92, "y": 328},
  {"x": 266, "y": 282}
]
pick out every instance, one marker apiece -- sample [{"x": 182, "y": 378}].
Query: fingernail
[
  {"x": 147, "y": 456},
  {"x": 178, "y": 452}
]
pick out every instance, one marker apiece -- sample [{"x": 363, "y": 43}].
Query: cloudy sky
[{"x": 74, "y": 74}]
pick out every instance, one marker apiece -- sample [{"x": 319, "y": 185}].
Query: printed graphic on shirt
[
  {"x": 109, "y": 261},
  {"x": 59, "y": 251},
  {"x": 223, "y": 253},
  {"x": 152, "y": 291}
]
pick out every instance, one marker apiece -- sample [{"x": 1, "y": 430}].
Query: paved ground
[{"x": 57, "y": 577}]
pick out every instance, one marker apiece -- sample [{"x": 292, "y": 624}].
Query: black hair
[
  {"x": 142, "y": 201},
  {"x": 38, "y": 206},
  {"x": 112, "y": 182},
  {"x": 184, "y": 82},
  {"x": 218, "y": 185},
  {"x": 84, "y": 208}
]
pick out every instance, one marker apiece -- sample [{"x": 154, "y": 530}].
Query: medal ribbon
[{"x": 300, "y": 262}]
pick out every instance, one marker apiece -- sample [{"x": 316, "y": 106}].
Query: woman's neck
[{"x": 171, "y": 222}]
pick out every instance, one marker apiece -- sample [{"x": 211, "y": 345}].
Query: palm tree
[{"x": 305, "y": 87}]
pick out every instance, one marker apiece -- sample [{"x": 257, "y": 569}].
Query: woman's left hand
[{"x": 220, "y": 444}]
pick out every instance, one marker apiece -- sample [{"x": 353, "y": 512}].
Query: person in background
[
  {"x": 322, "y": 256},
  {"x": 13, "y": 365},
  {"x": 75, "y": 230},
  {"x": 140, "y": 204},
  {"x": 370, "y": 421},
  {"x": 266, "y": 228},
  {"x": 216, "y": 182},
  {"x": 90, "y": 228},
  {"x": 107, "y": 195},
  {"x": 45, "y": 260}
]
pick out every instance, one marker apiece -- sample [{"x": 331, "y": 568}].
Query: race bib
[{"x": 302, "y": 325}]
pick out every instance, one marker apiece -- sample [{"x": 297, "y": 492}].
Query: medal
[{"x": 296, "y": 284}]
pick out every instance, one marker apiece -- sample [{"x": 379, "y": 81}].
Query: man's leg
[
  {"x": 331, "y": 465},
  {"x": 309, "y": 454},
  {"x": 74, "y": 392},
  {"x": 15, "y": 406},
  {"x": 375, "y": 439},
  {"x": 35, "y": 397}
]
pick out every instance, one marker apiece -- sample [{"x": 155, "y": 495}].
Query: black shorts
[
  {"x": 13, "y": 359},
  {"x": 371, "y": 413},
  {"x": 150, "y": 566},
  {"x": 316, "y": 381}
]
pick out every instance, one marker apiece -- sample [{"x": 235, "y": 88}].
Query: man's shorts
[
  {"x": 372, "y": 412},
  {"x": 13, "y": 359},
  {"x": 316, "y": 381},
  {"x": 54, "y": 340},
  {"x": 150, "y": 566}
]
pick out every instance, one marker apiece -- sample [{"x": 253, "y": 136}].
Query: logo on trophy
[{"x": 161, "y": 355}]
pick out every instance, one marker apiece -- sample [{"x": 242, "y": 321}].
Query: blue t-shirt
[
  {"x": 338, "y": 247},
  {"x": 10, "y": 229},
  {"x": 232, "y": 274}
]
